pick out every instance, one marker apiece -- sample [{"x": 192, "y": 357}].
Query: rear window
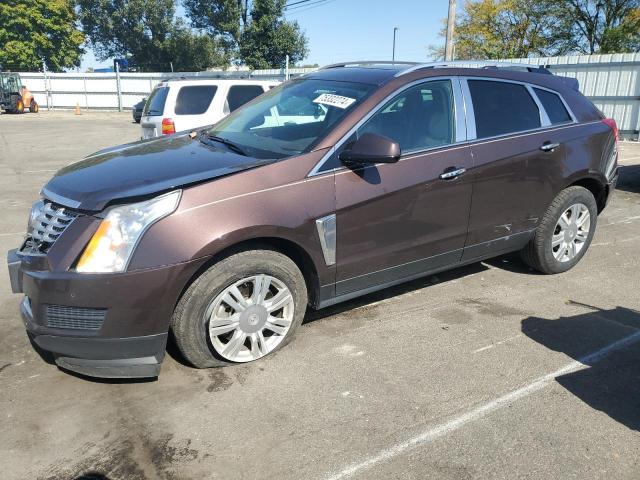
[
  {"x": 157, "y": 99},
  {"x": 501, "y": 108},
  {"x": 556, "y": 111},
  {"x": 240, "y": 94},
  {"x": 194, "y": 100}
]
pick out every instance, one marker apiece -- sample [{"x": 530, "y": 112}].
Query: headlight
[
  {"x": 34, "y": 216},
  {"x": 110, "y": 248}
]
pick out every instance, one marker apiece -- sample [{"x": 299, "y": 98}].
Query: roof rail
[
  {"x": 482, "y": 64},
  {"x": 367, "y": 63}
]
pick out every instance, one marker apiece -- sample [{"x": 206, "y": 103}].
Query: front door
[{"x": 396, "y": 221}]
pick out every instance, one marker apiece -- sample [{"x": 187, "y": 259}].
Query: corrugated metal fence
[
  {"x": 612, "y": 82},
  {"x": 112, "y": 91}
]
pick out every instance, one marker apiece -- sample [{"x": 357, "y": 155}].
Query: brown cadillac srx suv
[{"x": 330, "y": 186}]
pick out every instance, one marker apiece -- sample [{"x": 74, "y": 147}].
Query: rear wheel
[
  {"x": 565, "y": 232},
  {"x": 33, "y": 107},
  {"x": 19, "y": 107},
  {"x": 244, "y": 307}
]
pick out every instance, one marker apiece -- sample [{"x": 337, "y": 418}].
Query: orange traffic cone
[{"x": 77, "y": 111}]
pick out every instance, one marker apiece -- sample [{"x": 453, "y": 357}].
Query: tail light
[
  {"x": 611, "y": 123},
  {"x": 612, "y": 163},
  {"x": 168, "y": 127}
]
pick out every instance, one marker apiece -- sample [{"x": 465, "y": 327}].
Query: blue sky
[{"x": 343, "y": 30}]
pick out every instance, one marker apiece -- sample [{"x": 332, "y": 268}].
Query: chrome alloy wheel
[
  {"x": 250, "y": 318},
  {"x": 571, "y": 232}
]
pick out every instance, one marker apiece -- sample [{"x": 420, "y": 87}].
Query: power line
[
  {"x": 308, "y": 6},
  {"x": 296, "y": 3}
]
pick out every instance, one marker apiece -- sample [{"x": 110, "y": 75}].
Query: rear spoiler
[
  {"x": 544, "y": 69},
  {"x": 571, "y": 82}
]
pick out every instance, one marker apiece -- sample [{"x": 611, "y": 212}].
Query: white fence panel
[{"x": 612, "y": 82}]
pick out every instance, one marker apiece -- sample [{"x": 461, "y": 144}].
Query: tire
[
  {"x": 19, "y": 107},
  {"x": 557, "y": 246},
  {"x": 34, "y": 107},
  {"x": 202, "y": 304}
]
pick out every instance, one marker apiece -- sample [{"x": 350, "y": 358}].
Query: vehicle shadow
[
  {"x": 92, "y": 476},
  {"x": 629, "y": 180},
  {"x": 611, "y": 383},
  {"x": 313, "y": 315},
  {"x": 511, "y": 262},
  {"x": 447, "y": 276}
]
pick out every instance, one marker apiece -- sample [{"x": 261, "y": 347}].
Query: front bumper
[{"x": 130, "y": 341}]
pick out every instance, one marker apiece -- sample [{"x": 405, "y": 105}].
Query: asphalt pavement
[{"x": 487, "y": 371}]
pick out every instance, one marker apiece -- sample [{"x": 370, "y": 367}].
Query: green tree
[
  {"x": 135, "y": 28},
  {"x": 254, "y": 33},
  {"x": 148, "y": 33},
  {"x": 191, "y": 51},
  {"x": 222, "y": 19},
  {"x": 596, "y": 26},
  {"x": 491, "y": 29},
  {"x": 268, "y": 39},
  {"x": 36, "y": 31}
]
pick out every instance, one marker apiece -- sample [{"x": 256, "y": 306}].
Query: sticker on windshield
[{"x": 334, "y": 100}]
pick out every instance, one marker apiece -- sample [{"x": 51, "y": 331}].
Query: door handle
[
  {"x": 452, "y": 173},
  {"x": 549, "y": 147}
]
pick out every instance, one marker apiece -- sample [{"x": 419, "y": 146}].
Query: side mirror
[{"x": 370, "y": 149}]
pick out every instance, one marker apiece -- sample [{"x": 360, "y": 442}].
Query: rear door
[
  {"x": 238, "y": 95},
  {"x": 516, "y": 154},
  {"x": 194, "y": 106},
  {"x": 395, "y": 221}
]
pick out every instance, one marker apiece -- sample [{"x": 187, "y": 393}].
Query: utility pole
[
  {"x": 118, "y": 86},
  {"x": 286, "y": 69},
  {"x": 393, "y": 55},
  {"x": 47, "y": 86},
  {"x": 451, "y": 22}
]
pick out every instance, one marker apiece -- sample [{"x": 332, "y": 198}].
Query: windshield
[
  {"x": 11, "y": 83},
  {"x": 289, "y": 119}
]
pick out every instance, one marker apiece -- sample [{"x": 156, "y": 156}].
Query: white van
[{"x": 181, "y": 104}]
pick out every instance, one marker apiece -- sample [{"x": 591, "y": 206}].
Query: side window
[
  {"x": 240, "y": 94},
  {"x": 501, "y": 108},
  {"x": 553, "y": 105},
  {"x": 421, "y": 117},
  {"x": 194, "y": 100}
]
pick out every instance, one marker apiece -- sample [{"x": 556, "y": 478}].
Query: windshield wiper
[{"x": 228, "y": 143}]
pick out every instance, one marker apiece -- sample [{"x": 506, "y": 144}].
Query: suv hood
[{"x": 141, "y": 169}]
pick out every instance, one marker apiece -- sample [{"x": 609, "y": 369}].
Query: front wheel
[
  {"x": 565, "y": 232},
  {"x": 244, "y": 307},
  {"x": 19, "y": 107},
  {"x": 33, "y": 107}
]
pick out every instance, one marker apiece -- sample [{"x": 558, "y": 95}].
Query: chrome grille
[
  {"x": 46, "y": 223},
  {"x": 75, "y": 318}
]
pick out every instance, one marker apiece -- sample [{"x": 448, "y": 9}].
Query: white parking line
[
  {"x": 497, "y": 343},
  {"x": 624, "y": 220},
  {"x": 438, "y": 431}
]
